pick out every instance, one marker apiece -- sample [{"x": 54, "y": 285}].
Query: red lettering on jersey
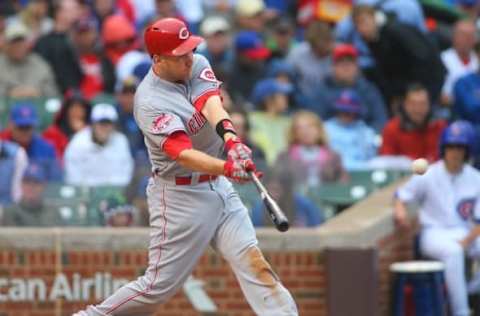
[
  {"x": 161, "y": 122},
  {"x": 207, "y": 74},
  {"x": 196, "y": 122}
]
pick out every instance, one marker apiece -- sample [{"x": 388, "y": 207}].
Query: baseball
[{"x": 420, "y": 166}]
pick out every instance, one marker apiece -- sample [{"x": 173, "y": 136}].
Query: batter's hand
[
  {"x": 236, "y": 150},
  {"x": 237, "y": 170}
]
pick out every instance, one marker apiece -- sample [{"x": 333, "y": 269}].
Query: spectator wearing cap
[
  {"x": 13, "y": 161},
  {"x": 250, "y": 15},
  {"x": 99, "y": 155},
  {"x": 414, "y": 133},
  {"x": 57, "y": 49},
  {"x": 23, "y": 121},
  {"x": 460, "y": 59},
  {"x": 98, "y": 71},
  {"x": 281, "y": 39},
  {"x": 218, "y": 44},
  {"x": 347, "y": 75},
  {"x": 402, "y": 53},
  {"x": 269, "y": 125},
  {"x": 118, "y": 36},
  {"x": 35, "y": 17},
  {"x": 131, "y": 59},
  {"x": 31, "y": 210},
  {"x": 24, "y": 74},
  {"x": 249, "y": 66},
  {"x": 73, "y": 116},
  {"x": 126, "y": 122},
  {"x": 348, "y": 134},
  {"x": 312, "y": 58}
]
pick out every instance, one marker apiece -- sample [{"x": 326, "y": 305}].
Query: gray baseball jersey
[
  {"x": 162, "y": 107},
  {"x": 185, "y": 219}
]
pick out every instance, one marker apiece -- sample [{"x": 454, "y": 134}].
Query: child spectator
[
  {"x": 309, "y": 157},
  {"x": 349, "y": 135}
]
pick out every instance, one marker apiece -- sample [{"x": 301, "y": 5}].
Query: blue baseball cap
[
  {"x": 268, "y": 87},
  {"x": 24, "y": 114},
  {"x": 250, "y": 44},
  {"x": 348, "y": 102},
  {"x": 35, "y": 172}
]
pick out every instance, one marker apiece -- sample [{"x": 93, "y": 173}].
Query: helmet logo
[{"x": 183, "y": 33}]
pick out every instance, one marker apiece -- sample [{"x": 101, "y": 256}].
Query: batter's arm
[
  {"x": 214, "y": 112},
  {"x": 198, "y": 161}
]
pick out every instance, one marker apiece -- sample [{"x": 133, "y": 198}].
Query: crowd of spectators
[{"x": 315, "y": 98}]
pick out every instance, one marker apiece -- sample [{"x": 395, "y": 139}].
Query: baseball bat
[{"x": 276, "y": 214}]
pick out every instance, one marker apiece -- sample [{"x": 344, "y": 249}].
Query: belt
[{"x": 188, "y": 180}]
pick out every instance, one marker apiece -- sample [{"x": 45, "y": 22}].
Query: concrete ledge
[{"x": 360, "y": 226}]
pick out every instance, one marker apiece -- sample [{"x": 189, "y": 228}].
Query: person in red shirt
[
  {"x": 413, "y": 133},
  {"x": 73, "y": 116}
]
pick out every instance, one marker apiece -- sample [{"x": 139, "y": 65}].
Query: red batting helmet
[{"x": 170, "y": 37}]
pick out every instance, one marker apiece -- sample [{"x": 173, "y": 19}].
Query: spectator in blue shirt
[
  {"x": 346, "y": 75},
  {"x": 13, "y": 162},
  {"x": 349, "y": 135},
  {"x": 23, "y": 120},
  {"x": 300, "y": 211}
]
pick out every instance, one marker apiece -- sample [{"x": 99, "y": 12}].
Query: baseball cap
[
  {"x": 35, "y": 172},
  {"x": 15, "y": 31},
  {"x": 103, "y": 112},
  {"x": 268, "y": 87},
  {"x": 213, "y": 25},
  {"x": 348, "y": 102},
  {"x": 24, "y": 114},
  {"x": 250, "y": 44},
  {"x": 249, "y": 8},
  {"x": 117, "y": 28},
  {"x": 344, "y": 50}
]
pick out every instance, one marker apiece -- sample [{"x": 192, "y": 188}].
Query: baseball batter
[
  {"x": 192, "y": 204},
  {"x": 449, "y": 213}
]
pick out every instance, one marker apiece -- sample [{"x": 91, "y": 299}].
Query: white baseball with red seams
[{"x": 186, "y": 219}]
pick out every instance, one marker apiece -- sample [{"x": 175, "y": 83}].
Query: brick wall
[{"x": 302, "y": 272}]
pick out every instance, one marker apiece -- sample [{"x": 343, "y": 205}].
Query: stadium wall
[{"x": 45, "y": 272}]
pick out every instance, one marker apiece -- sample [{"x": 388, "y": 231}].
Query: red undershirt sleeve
[
  {"x": 200, "y": 101},
  {"x": 176, "y": 143}
]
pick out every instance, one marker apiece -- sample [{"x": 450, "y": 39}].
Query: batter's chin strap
[{"x": 225, "y": 126}]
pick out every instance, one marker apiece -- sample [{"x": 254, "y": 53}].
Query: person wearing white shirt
[
  {"x": 449, "y": 211},
  {"x": 99, "y": 155},
  {"x": 460, "y": 59}
]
